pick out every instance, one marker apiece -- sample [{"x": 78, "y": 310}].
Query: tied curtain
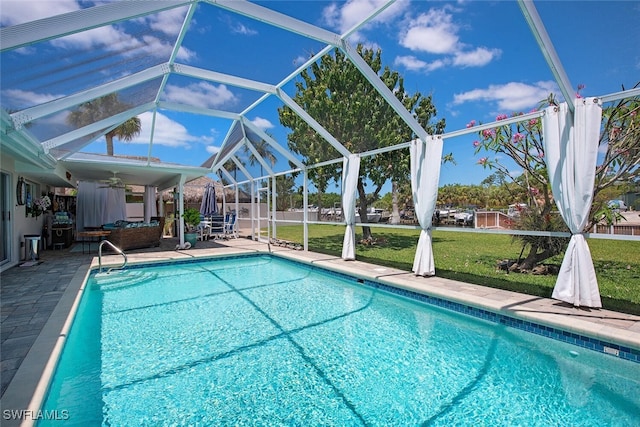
[
  {"x": 149, "y": 201},
  {"x": 350, "y": 171},
  {"x": 97, "y": 205},
  {"x": 571, "y": 151},
  {"x": 425, "y": 174}
]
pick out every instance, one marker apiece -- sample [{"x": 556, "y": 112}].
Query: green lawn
[{"x": 472, "y": 258}]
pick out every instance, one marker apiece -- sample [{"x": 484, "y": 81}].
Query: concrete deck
[{"x": 36, "y": 302}]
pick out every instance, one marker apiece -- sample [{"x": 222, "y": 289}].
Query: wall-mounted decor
[{"x": 21, "y": 191}]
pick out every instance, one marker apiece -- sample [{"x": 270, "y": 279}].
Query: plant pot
[{"x": 191, "y": 238}]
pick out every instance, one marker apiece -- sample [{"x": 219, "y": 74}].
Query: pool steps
[{"x": 122, "y": 278}]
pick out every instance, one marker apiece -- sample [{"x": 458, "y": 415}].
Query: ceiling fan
[{"x": 112, "y": 182}]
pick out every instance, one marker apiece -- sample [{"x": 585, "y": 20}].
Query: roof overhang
[{"x": 95, "y": 167}]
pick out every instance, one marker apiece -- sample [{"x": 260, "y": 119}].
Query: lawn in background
[{"x": 473, "y": 257}]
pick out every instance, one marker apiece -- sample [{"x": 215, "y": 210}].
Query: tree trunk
[
  {"x": 362, "y": 210},
  {"x": 319, "y": 202},
  {"x": 109, "y": 138},
  {"x": 533, "y": 258},
  {"x": 395, "y": 212}
]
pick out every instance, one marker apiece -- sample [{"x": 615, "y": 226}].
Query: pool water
[{"x": 264, "y": 341}]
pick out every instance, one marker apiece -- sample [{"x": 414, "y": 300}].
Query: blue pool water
[{"x": 264, "y": 341}]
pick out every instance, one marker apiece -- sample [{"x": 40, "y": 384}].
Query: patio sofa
[{"x": 135, "y": 235}]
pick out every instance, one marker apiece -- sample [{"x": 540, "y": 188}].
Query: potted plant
[{"x": 191, "y": 219}]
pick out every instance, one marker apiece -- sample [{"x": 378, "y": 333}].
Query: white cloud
[
  {"x": 237, "y": 27},
  {"x": 17, "y": 12},
  {"x": 154, "y": 46},
  {"x": 432, "y": 32},
  {"x": 509, "y": 97},
  {"x": 436, "y": 33},
  {"x": 202, "y": 94},
  {"x": 476, "y": 58},
  {"x": 54, "y": 120},
  {"x": 212, "y": 149},
  {"x": 167, "y": 132},
  {"x": 102, "y": 36},
  {"x": 112, "y": 37},
  {"x": 299, "y": 60},
  {"x": 261, "y": 123},
  {"x": 243, "y": 29},
  {"x": 343, "y": 16},
  {"x": 412, "y": 63},
  {"x": 169, "y": 22},
  {"x": 24, "y": 99}
]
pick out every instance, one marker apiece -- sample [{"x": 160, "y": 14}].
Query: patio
[{"x": 34, "y": 311}]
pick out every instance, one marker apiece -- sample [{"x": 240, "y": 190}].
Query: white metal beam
[
  {"x": 620, "y": 95},
  {"x": 255, "y": 104},
  {"x": 30, "y": 114},
  {"x": 198, "y": 110},
  {"x": 228, "y": 175},
  {"x": 306, "y": 65},
  {"x": 80, "y": 20},
  {"x": 258, "y": 157},
  {"x": 383, "y": 90},
  {"x": 96, "y": 126},
  {"x": 286, "y": 153},
  {"x": 71, "y": 153},
  {"x": 183, "y": 32},
  {"x": 369, "y": 18},
  {"x": 188, "y": 70},
  {"x": 548, "y": 50},
  {"x": 312, "y": 122},
  {"x": 277, "y": 19},
  {"x": 241, "y": 167},
  {"x": 176, "y": 47}
]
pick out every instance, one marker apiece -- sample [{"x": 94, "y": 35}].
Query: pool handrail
[{"x": 115, "y": 248}]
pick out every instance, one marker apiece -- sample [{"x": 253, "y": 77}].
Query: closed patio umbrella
[{"x": 209, "y": 205}]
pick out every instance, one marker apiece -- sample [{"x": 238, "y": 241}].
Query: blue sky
[{"x": 478, "y": 59}]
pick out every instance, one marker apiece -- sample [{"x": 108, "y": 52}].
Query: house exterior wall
[{"x": 19, "y": 224}]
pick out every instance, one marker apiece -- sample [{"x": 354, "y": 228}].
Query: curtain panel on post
[
  {"x": 425, "y": 174},
  {"x": 97, "y": 205},
  {"x": 571, "y": 151},
  {"x": 350, "y": 171},
  {"x": 149, "y": 202}
]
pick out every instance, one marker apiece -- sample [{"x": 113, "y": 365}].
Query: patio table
[{"x": 90, "y": 235}]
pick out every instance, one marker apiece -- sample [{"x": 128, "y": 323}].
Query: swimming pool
[{"x": 260, "y": 340}]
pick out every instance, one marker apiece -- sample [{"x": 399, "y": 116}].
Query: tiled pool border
[{"x": 595, "y": 344}]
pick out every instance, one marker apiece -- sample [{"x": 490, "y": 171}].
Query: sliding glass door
[{"x": 5, "y": 208}]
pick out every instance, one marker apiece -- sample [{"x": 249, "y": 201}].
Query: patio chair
[
  {"x": 204, "y": 230},
  {"x": 216, "y": 226},
  {"x": 231, "y": 225}
]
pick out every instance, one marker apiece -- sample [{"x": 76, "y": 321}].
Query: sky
[{"x": 477, "y": 59}]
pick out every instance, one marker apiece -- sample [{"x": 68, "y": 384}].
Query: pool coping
[{"x": 30, "y": 384}]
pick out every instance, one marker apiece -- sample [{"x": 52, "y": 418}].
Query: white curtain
[
  {"x": 425, "y": 173},
  {"x": 571, "y": 151},
  {"x": 149, "y": 200},
  {"x": 97, "y": 205},
  {"x": 350, "y": 171}
]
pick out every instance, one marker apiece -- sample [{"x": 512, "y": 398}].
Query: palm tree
[
  {"x": 230, "y": 166},
  {"x": 125, "y": 132},
  {"x": 100, "y": 109},
  {"x": 264, "y": 149}
]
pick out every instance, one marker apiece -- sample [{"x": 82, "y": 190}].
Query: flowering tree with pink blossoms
[{"x": 521, "y": 144}]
